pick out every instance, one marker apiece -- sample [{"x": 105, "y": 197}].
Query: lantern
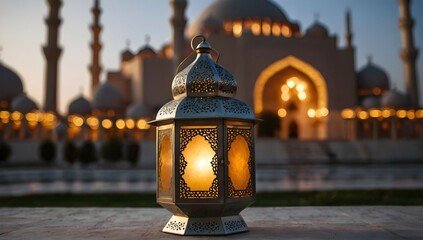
[{"x": 205, "y": 151}]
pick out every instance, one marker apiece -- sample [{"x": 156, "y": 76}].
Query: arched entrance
[{"x": 296, "y": 92}]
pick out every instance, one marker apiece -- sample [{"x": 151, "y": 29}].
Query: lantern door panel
[
  {"x": 165, "y": 162},
  {"x": 240, "y": 164},
  {"x": 198, "y": 162}
]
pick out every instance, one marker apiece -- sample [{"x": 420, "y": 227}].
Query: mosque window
[
  {"x": 237, "y": 29},
  {"x": 266, "y": 28},
  {"x": 276, "y": 29},
  {"x": 286, "y": 31},
  {"x": 256, "y": 28}
]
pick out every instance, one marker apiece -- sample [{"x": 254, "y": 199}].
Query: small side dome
[
  {"x": 10, "y": 84},
  {"x": 107, "y": 97},
  {"x": 137, "y": 110},
  {"x": 394, "y": 99},
  {"x": 371, "y": 102},
  {"x": 126, "y": 55},
  {"x": 147, "y": 52},
  {"x": 80, "y": 106},
  {"x": 317, "y": 30},
  {"x": 23, "y": 104},
  {"x": 371, "y": 77}
]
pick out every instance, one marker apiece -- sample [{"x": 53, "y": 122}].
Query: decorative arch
[{"x": 290, "y": 61}]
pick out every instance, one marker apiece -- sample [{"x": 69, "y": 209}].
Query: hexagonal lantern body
[{"x": 205, "y": 151}]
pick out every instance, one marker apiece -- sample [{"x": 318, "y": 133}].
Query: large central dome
[{"x": 230, "y": 10}]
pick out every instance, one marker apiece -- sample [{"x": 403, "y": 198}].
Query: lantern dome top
[
  {"x": 204, "y": 89},
  {"x": 204, "y": 77}
]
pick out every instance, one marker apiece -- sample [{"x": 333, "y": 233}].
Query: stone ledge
[{"x": 380, "y": 222}]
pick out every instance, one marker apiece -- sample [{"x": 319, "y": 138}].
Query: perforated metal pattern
[
  {"x": 178, "y": 84},
  {"x": 235, "y": 106},
  {"x": 227, "y": 83},
  {"x": 201, "y": 77},
  {"x": 199, "y": 105},
  {"x": 232, "y": 133},
  {"x": 168, "y": 109},
  {"x": 210, "y": 134},
  {"x": 204, "y": 227}
]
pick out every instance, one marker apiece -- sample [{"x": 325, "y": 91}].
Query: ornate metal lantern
[{"x": 205, "y": 151}]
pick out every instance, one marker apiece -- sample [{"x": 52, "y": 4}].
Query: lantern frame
[{"x": 204, "y": 109}]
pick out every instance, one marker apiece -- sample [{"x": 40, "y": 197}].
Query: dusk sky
[{"x": 23, "y": 32}]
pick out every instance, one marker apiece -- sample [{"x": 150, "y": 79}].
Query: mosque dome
[
  {"x": 394, "y": 99},
  {"x": 107, "y": 97},
  {"x": 147, "y": 52},
  {"x": 10, "y": 84},
  {"x": 371, "y": 102},
  {"x": 223, "y": 10},
  {"x": 79, "y": 106},
  {"x": 317, "y": 30},
  {"x": 371, "y": 77},
  {"x": 23, "y": 104},
  {"x": 126, "y": 55},
  {"x": 137, "y": 110}
]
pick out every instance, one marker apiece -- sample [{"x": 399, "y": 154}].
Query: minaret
[
  {"x": 408, "y": 52},
  {"x": 348, "y": 33},
  {"x": 178, "y": 22},
  {"x": 52, "y": 53},
  {"x": 95, "y": 68}
]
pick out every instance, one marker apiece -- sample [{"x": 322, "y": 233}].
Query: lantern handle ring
[{"x": 203, "y": 40}]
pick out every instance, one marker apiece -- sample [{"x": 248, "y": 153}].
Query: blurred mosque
[{"x": 299, "y": 81}]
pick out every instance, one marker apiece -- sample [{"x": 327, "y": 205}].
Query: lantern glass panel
[
  {"x": 238, "y": 168},
  {"x": 240, "y": 162},
  {"x": 165, "y": 153},
  {"x": 199, "y": 173},
  {"x": 198, "y": 162}
]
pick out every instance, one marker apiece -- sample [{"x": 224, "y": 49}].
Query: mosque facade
[{"x": 299, "y": 81}]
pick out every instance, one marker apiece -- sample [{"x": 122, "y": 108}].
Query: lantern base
[{"x": 205, "y": 225}]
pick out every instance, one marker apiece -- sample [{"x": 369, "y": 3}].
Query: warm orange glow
[
  {"x": 285, "y": 96},
  {"x": 286, "y": 31},
  {"x": 130, "y": 123},
  {"x": 411, "y": 115},
  {"x": 282, "y": 112},
  {"x": 16, "y": 116},
  {"x": 199, "y": 173},
  {"x": 120, "y": 124},
  {"x": 276, "y": 30},
  {"x": 401, "y": 113},
  {"x": 238, "y": 157},
  {"x": 93, "y": 122},
  {"x": 237, "y": 29},
  {"x": 375, "y": 113},
  {"x": 302, "y": 96},
  {"x": 419, "y": 113},
  {"x": 228, "y": 26},
  {"x": 142, "y": 124},
  {"x": 311, "y": 113},
  {"x": 4, "y": 114},
  {"x": 291, "y": 83},
  {"x": 347, "y": 114},
  {"x": 284, "y": 89},
  {"x": 363, "y": 115},
  {"x": 107, "y": 124},
  {"x": 300, "y": 87},
  {"x": 290, "y": 61},
  {"x": 386, "y": 113},
  {"x": 165, "y": 163},
  {"x": 266, "y": 29},
  {"x": 31, "y": 117},
  {"x": 77, "y": 121},
  {"x": 324, "y": 112},
  {"x": 255, "y": 28}
]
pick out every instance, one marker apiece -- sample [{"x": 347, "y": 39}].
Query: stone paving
[{"x": 380, "y": 222}]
